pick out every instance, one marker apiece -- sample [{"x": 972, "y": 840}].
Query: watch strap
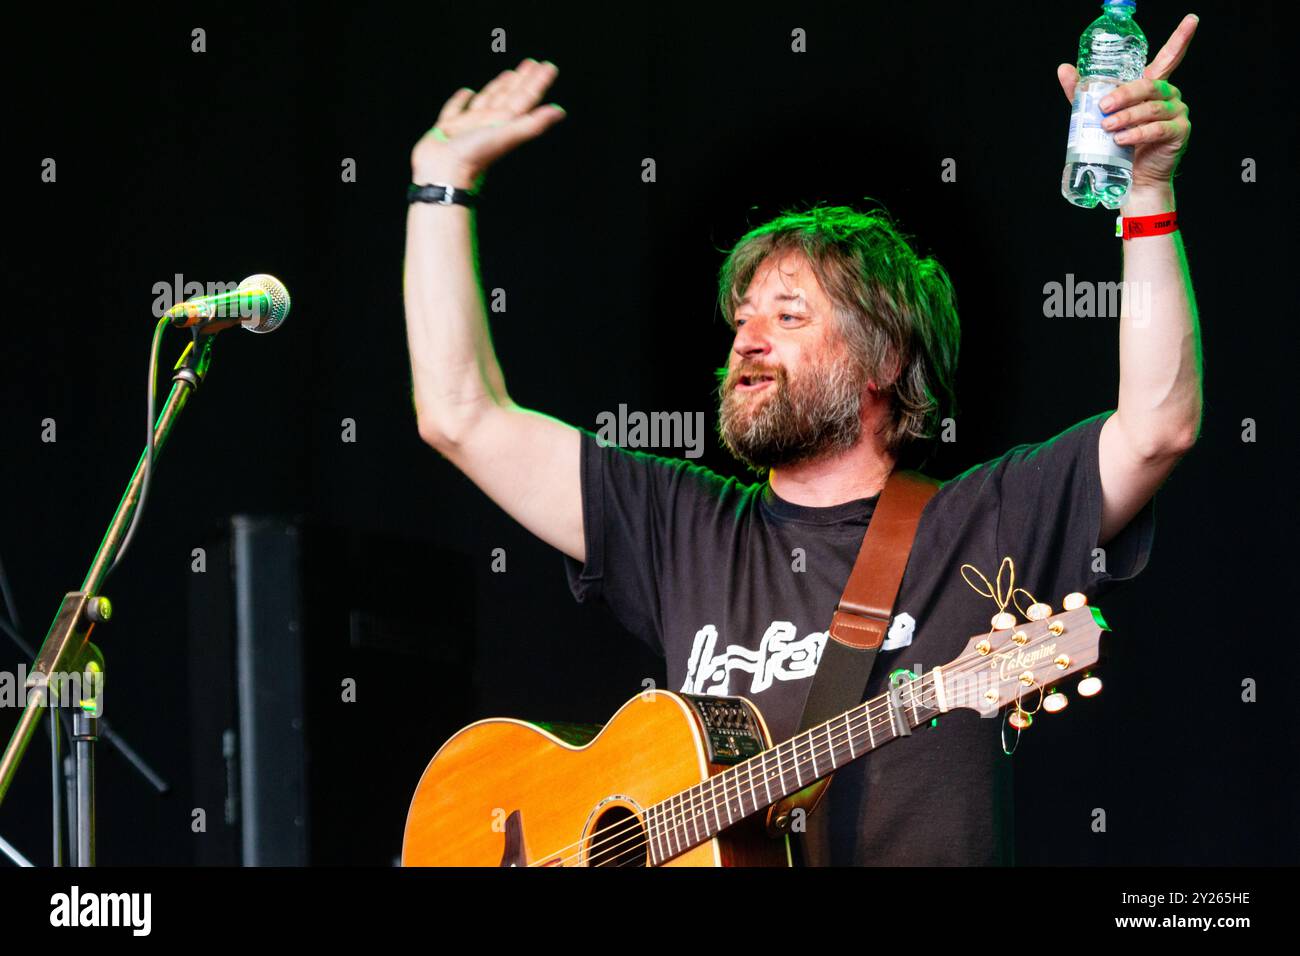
[{"x": 441, "y": 194}]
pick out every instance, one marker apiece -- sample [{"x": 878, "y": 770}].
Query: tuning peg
[
  {"x": 1073, "y": 600},
  {"x": 1003, "y": 621},
  {"x": 1038, "y": 610},
  {"x": 1090, "y": 686},
  {"x": 1019, "y": 719},
  {"x": 1055, "y": 702}
]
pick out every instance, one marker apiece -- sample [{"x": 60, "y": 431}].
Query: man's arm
[
  {"x": 528, "y": 463},
  {"x": 1158, "y": 415}
]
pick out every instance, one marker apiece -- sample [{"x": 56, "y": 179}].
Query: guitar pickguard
[
  {"x": 731, "y": 727},
  {"x": 514, "y": 851}
]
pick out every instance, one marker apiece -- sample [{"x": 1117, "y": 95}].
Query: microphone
[{"x": 260, "y": 304}]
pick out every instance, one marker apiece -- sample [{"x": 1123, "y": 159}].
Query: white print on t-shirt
[
  {"x": 900, "y": 632},
  {"x": 781, "y": 655}
]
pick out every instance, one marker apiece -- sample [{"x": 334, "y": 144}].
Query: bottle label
[{"x": 1088, "y": 142}]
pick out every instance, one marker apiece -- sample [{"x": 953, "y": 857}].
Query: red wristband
[{"x": 1135, "y": 227}]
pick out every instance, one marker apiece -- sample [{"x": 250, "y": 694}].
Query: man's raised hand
[
  {"x": 475, "y": 129},
  {"x": 1148, "y": 113}
]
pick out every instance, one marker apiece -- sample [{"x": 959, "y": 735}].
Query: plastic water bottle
[{"x": 1112, "y": 51}]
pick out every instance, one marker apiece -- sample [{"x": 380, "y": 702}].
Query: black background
[{"x": 227, "y": 163}]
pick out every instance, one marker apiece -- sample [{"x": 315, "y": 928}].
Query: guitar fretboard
[{"x": 693, "y": 816}]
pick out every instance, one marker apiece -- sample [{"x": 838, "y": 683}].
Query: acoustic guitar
[{"x": 684, "y": 779}]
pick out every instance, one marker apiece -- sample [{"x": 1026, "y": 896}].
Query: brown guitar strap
[
  {"x": 860, "y": 622},
  {"x": 862, "y": 618}
]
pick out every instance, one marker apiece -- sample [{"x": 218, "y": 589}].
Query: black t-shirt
[{"x": 735, "y": 587}]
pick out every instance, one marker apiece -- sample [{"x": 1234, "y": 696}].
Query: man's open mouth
[{"x": 751, "y": 382}]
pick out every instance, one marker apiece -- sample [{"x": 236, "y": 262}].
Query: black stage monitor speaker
[{"x": 326, "y": 669}]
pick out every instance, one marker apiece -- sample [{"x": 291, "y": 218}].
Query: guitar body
[{"x": 505, "y": 792}]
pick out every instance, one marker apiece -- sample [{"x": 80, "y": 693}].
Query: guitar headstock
[{"x": 1018, "y": 661}]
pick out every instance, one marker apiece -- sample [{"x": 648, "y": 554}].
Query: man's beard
[{"x": 788, "y": 422}]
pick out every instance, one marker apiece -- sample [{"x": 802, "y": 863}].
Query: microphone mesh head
[{"x": 279, "y": 298}]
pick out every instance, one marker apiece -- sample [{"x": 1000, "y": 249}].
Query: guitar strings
[
  {"x": 831, "y": 740},
  {"x": 650, "y": 828},
  {"x": 646, "y": 830},
  {"x": 667, "y": 825},
  {"x": 660, "y": 828},
  {"x": 657, "y": 826}
]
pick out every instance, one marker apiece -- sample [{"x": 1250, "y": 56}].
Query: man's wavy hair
[{"x": 896, "y": 312}]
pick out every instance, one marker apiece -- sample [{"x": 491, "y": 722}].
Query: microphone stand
[
  {"x": 67, "y": 658},
  {"x": 61, "y": 773},
  {"x": 9, "y": 850}
]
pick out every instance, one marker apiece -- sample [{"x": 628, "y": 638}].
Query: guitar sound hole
[{"x": 618, "y": 839}]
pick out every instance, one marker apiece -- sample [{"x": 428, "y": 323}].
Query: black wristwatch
[{"x": 441, "y": 194}]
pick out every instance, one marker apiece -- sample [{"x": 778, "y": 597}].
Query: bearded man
[{"x": 841, "y": 367}]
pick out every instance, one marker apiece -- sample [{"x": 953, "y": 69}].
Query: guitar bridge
[{"x": 731, "y": 727}]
